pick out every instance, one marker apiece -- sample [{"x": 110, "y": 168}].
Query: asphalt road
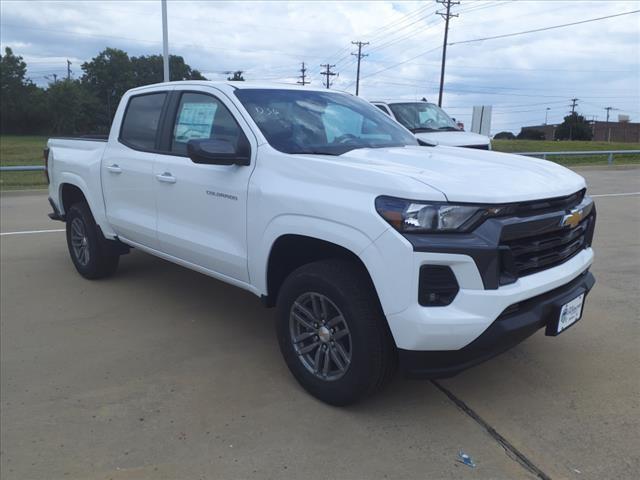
[{"x": 162, "y": 373}]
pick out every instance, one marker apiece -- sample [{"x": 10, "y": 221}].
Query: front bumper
[{"x": 516, "y": 323}]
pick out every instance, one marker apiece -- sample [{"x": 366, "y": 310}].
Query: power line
[
  {"x": 359, "y": 55},
  {"x": 328, "y": 74},
  {"x": 544, "y": 28},
  {"x": 446, "y": 15}
]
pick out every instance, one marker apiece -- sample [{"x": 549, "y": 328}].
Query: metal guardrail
[
  {"x": 610, "y": 154},
  {"x": 22, "y": 168}
]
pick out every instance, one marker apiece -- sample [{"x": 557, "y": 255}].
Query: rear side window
[{"x": 141, "y": 120}]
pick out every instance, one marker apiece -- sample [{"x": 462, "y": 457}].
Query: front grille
[{"x": 535, "y": 253}]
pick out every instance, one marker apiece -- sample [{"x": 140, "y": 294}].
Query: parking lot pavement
[{"x": 160, "y": 372}]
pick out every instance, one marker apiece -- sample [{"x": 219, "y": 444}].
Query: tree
[
  {"x": 530, "y": 134},
  {"x": 22, "y": 104},
  {"x": 109, "y": 75},
  {"x": 237, "y": 77},
  {"x": 574, "y": 127},
  {"x": 73, "y": 108},
  {"x": 504, "y": 136},
  {"x": 149, "y": 69}
]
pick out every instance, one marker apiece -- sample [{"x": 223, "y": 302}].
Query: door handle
[
  {"x": 166, "y": 177},
  {"x": 115, "y": 168}
]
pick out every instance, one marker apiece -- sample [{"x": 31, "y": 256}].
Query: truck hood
[
  {"x": 453, "y": 139},
  {"x": 469, "y": 175}
]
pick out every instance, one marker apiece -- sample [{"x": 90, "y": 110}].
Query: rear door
[
  {"x": 202, "y": 209},
  {"x": 127, "y": 169}
]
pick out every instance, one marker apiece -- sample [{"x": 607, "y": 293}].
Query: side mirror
[{"x": 219, "y": 152}]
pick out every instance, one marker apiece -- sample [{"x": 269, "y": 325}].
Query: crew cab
[
  {"x": 431, "y": 125},
  {"x": 376, "y": 252}
]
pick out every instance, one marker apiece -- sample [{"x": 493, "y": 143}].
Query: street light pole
[
  {"x": 165, "y": 42},
  {"x": 546, "y": 115}
]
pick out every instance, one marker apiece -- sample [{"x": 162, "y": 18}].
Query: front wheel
[
  {"x": 332, "y": 332},
  {"x": 89, "y": 250}
]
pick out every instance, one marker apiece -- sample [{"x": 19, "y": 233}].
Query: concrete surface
[{"x": 162, "y": 373}]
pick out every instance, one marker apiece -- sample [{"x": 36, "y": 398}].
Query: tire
[
  {"x": 90, "y": 252},
  {"x": 339, "y": 293}
]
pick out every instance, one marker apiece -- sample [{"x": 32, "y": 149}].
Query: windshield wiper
[
  {"x": 313, "y": 152},
  {"x": 422, "y": 129},
  {"x": 449, "y": 129}
]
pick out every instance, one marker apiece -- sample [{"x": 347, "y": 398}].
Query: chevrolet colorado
[{"x": 376, "y": 252}]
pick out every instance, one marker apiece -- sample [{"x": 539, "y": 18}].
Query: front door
[{"x": 202, "y": 209}]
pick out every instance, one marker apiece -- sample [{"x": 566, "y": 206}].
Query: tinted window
[
  {"x": 203, "y": 116},
  {"x": 141, "y": 120},
  {"x": 329, "y": 123}
]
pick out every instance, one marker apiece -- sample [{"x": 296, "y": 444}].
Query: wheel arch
[{"x": 290, "y": 251}]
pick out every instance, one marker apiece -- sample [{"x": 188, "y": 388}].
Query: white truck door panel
[
  {"x": 202, "y": 208},
  {"x": 127, "y": 171},
  {"x": 127, "y": 179}
]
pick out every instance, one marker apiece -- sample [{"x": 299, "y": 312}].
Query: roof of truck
[
  {"x": 398, "y": 100},
  {"x": 228, "y": 85}
]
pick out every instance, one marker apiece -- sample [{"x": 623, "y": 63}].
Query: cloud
[{"x": 521, "y": 76}]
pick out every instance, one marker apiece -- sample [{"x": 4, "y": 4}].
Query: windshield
[
  {"x": 326, "y": 123},
  {"x": 423, "y": 117}
]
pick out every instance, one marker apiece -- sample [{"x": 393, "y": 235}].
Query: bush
[
  {"x": 504, "y": 136},
  {"x": 531, "y": 134}
]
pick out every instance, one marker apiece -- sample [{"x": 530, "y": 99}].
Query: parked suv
[
  {"x": 431, "y": 125},
  {"x": 374, "y": 250}
]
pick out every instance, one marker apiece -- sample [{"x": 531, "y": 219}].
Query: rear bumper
[{"x": 516, "y": 323}]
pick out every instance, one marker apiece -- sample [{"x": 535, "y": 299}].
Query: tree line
[{"x": 78, "y": 106}]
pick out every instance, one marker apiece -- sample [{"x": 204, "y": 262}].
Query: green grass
[
  {"x": 551, "y": 146},
  {"x": 21, "y": 150}
]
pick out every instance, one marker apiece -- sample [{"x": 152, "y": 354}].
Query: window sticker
[{"x": 195, "y": 121}]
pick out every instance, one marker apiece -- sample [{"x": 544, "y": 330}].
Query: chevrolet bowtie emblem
[{"x": 572, "y": 219}]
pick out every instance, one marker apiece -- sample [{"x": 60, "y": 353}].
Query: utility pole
[
  {"x": 574, "y": 104},
  {"x": 54, "y": 75},
  {"x": 303, "y": 76},
  {"x": 165, "y": 43},
  {"x": 446, "y": 15},
  {"x": 328, "y": 74},
  {"x": 608, "y": 109},
  {"x": 360, "y": 56},
  {"x": 546, "y": 115},
  {"x": 68, "y": 69}
]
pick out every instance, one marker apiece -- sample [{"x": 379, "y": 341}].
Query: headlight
[{"x": 409, "y": 216}]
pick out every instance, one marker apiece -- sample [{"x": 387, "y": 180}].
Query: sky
[{"x": 520, "y": 76}]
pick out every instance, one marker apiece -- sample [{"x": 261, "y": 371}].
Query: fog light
[{"x": 437, "y": 287}]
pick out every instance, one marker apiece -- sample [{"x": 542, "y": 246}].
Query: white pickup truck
[
  {"x": 377, "y": 252},
  {"x": 431, "y": 125}
]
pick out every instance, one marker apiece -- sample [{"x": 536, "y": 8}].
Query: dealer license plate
[{"x": 570, "y": 313}]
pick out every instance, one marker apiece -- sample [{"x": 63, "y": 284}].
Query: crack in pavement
[{"x": 511, "y": 450}]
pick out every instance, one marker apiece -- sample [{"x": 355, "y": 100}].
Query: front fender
[{"x": 339, "y": 234}]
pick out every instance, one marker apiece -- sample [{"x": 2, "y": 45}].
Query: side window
[
  {"x": 203, "y": 116},
  {"x": 383, "y": 108},
  {"x": 140, "y": 123}
]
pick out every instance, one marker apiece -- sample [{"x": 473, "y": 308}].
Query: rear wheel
[
  {"x": 332, "y": 332},
  {"x": 90, "y": 251}
]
